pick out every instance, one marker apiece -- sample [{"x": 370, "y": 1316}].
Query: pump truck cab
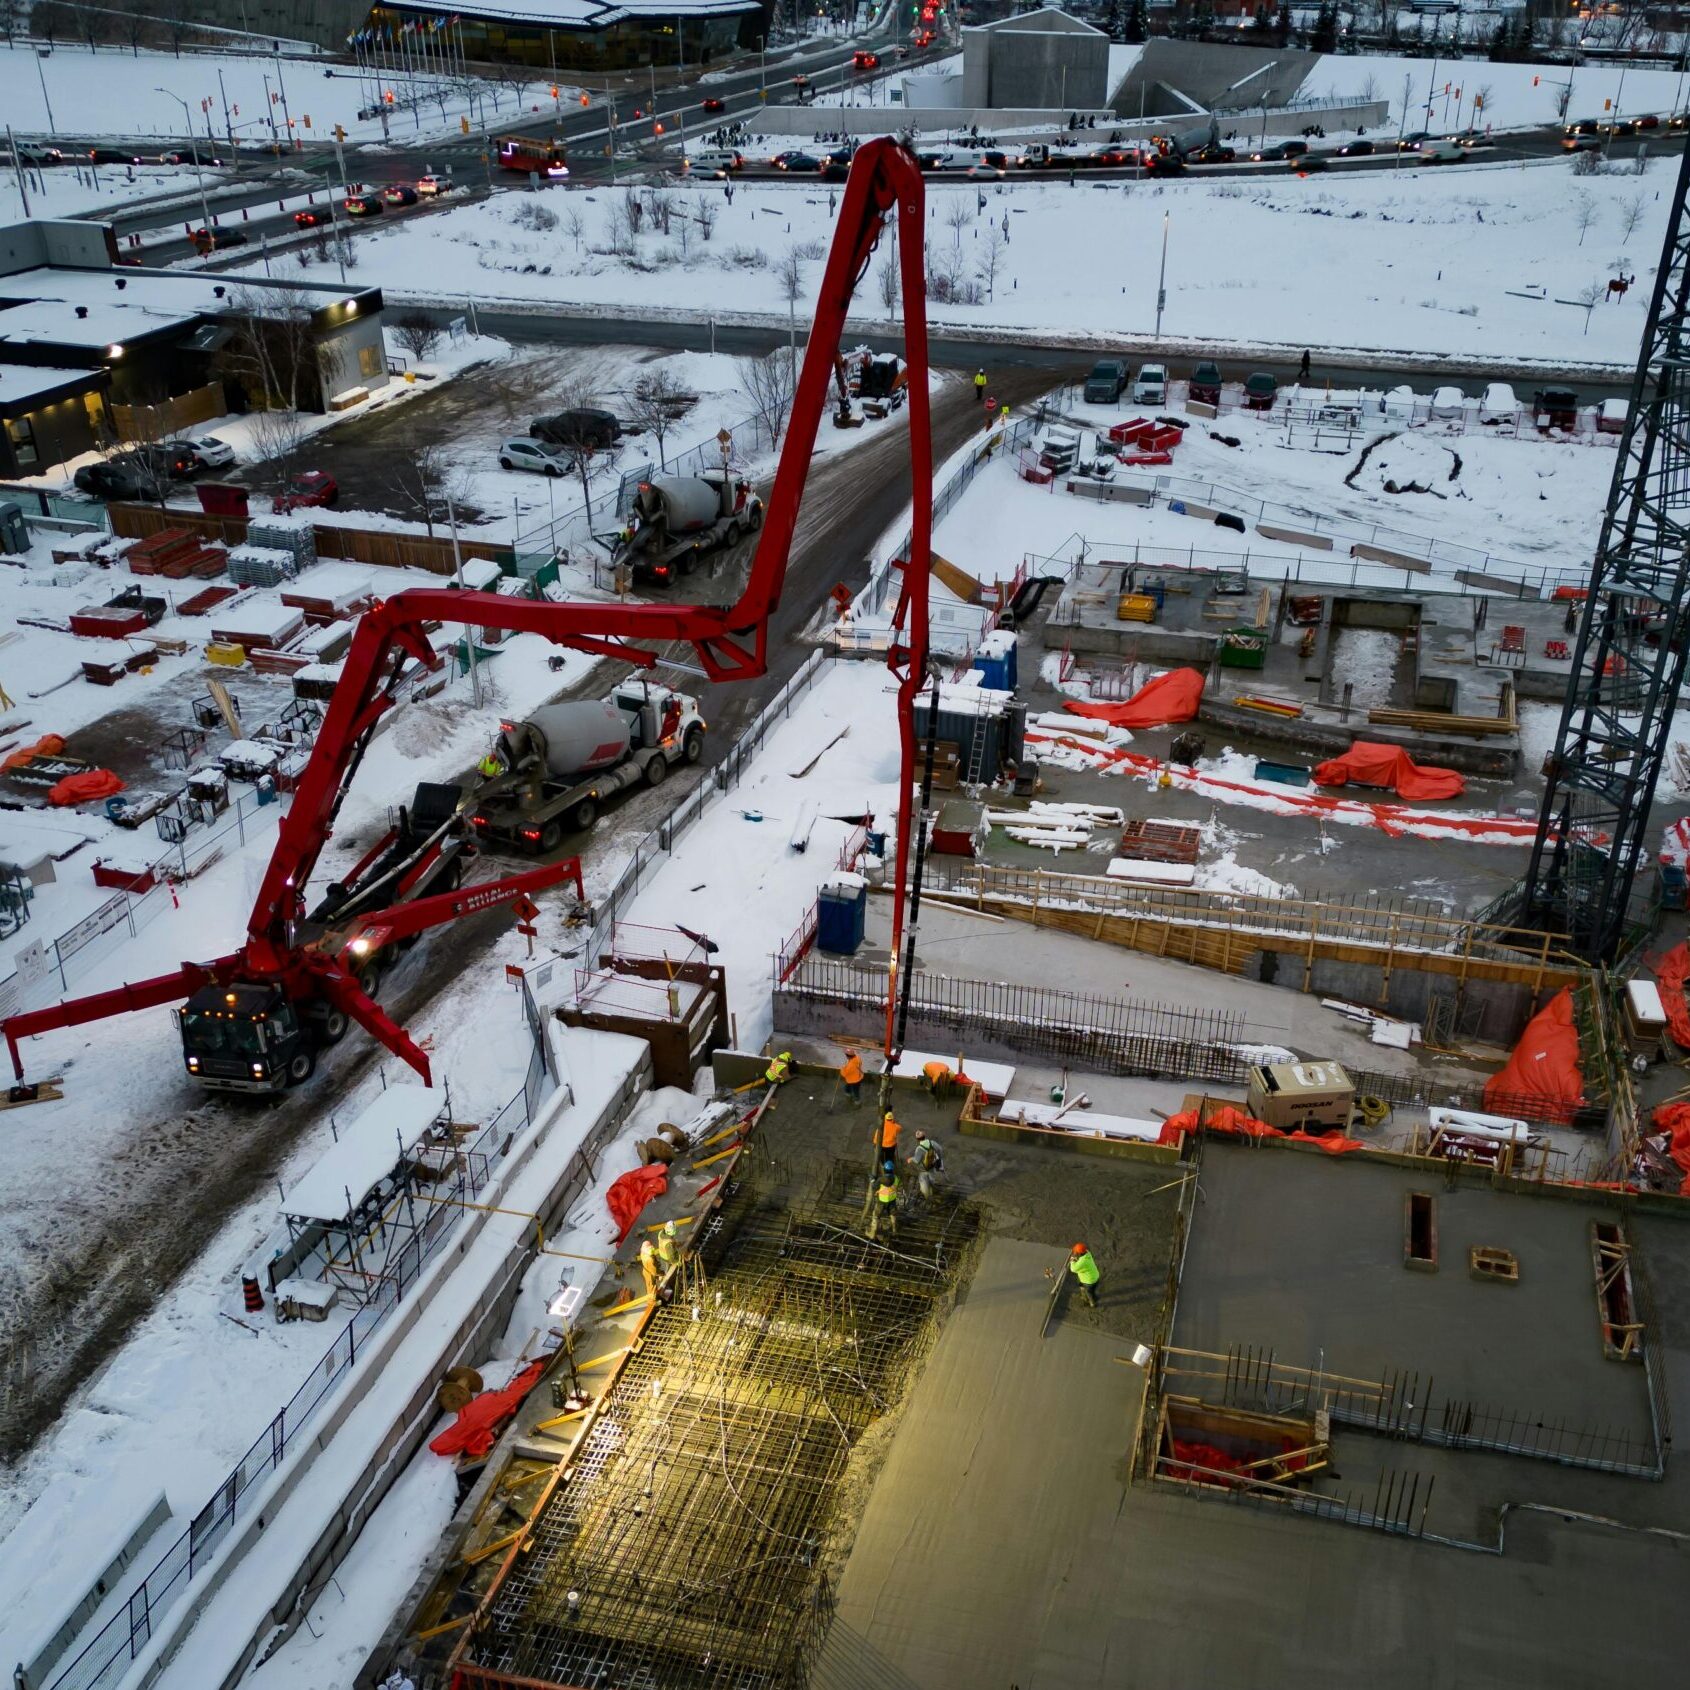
[
  {"x": 554, "y": 772},
  {"x": 252, "y": 1036}
]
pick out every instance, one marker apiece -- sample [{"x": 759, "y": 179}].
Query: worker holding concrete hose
[
  {"x": 648, "y": 1268},
  {"x": 668, "y": 1246},
  {"x": 1085, "y": 1272},
  {"x": 885, "y": 1205}
]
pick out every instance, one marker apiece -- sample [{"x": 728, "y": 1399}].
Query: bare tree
[
  {"x": 1590, "y": 296},
  {"x": 574, "y": 441},
  {"x": 958, "y": 215},
  {"x": 992, "y": 247},
  {"x": 661, "y": 206},
  {"x": 886, "y": 279},
  {"x": 660, "y": 401},
  {"x": 417, "y": 333},
  {"x": 618, "y": 229},
  {"x": 768, "y": 384},
  {"x": 634, "y": 205},
  {"x": 429, "y": 483},
  {"x": 272, "y": 356},
  {"x": 705, "y": 216},
  {"x": 574, "y": 227},
  {"x": 1584, "y": 211},
  {"x": 1632, "y": 212}
]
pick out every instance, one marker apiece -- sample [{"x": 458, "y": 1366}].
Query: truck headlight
[
  {"x": 193, "y": 1064},
  {"x": 258, "y": 1069}
]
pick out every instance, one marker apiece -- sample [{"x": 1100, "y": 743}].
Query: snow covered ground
[
  {"x": 112, "y": 91},
  {"x": 1435, "y": 261},
  {"x": 63, "y": 191},
  {"x": 1514, "y": 96}
]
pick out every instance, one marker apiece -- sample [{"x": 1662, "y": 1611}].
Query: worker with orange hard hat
[
  {"x": 1085, "y": 1272},
  {"x": 851, "y": 1076}
]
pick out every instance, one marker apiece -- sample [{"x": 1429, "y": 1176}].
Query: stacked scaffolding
[{"x": 685, "y": 1550}]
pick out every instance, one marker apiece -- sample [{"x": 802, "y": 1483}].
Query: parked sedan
[
  {"x": 315, "y": 487},
  {"x": 363, "y": 205},
  {"x": 1206, "y": 384},
  {"x": 1449, "y": 404},
  {"x": 1498, "y": 404},
  {"x": 1260, "y": 391},
  {"x": 525, "y": 452},
  {"x": 211, "y": 451},
  {"x": 118, "y": 478},
  {"x": 399, "y": 194}
]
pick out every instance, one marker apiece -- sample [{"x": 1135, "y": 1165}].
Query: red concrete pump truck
[{"x": 302, "y": 973}]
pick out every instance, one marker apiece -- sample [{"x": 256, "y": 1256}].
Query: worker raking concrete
[
  {"x": 1085, "y": 1272},
  {"x": 851, "y": 1077},
  {"x": 779, "y": 1070}
]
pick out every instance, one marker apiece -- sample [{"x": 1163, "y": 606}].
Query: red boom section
[{"x": 731, "y": 643}]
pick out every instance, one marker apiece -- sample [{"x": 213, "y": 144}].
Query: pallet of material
[
  {"x": 1160, "y": 842},
  {"x": 326, "y": 594},
  {"x": 257, "y": 622},
  {"x": 203, "y": 603},
  {"x": 107, "y": 621},
  {"x": 151, "y": 555},
  {"x": 268, "y": 661},
  {"x": 1149, "y": 872}
]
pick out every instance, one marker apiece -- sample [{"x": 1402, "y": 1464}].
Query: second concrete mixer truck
[
  {"x": 552, "y": 773},
  {"x": 677, "y": 519}
]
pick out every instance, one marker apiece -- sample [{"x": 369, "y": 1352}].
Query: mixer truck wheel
[
  {"x": 656, "y": 770},
  {"x": 583, "y": 815},
  {"x": 731, "y": 538},
  {"x": 693, "y": 745},
  {"x": 754, "y": 518},
  {"x": 551, "y": 836},
  {"x": 301, "y": 1066},
  {"x": 331, "y": 1026}
]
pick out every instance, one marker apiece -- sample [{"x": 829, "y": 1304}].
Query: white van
[
  {"x": 1441, "y": 151},
  {"x": 714, "y": 162}
]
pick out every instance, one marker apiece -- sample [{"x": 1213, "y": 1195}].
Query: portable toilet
[
  {"x": 995, "y": 661},
  {"x": 841, "y": 913},
  {"x": 14, "y": 531}
]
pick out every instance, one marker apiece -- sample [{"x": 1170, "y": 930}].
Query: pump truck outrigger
[{"x": 315, "y": 981}]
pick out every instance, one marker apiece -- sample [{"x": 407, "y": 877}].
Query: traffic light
[{"x": 585, "y": 102}]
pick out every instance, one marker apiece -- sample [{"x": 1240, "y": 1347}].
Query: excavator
[{"x": 301, "y": 974}]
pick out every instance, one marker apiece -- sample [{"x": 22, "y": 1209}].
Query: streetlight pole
[
  {"x": 228, "y": 122},
  {"x": 193, "y": 148},
  {"x": 763, "y": 69},
  {"x": 1162, "y": 277},
  {"x": 52, "y": 128}
]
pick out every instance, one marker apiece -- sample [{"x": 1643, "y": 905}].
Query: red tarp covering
[
  {"x": 1237, "y": 1124},
  {"x": 1172, "y": 697},
  {"x": 1208, "y": 1462},
  {"x": 48, "y": 745},
  {"x": 1673, "y": 1119},
  {"x": 1543, "y": 1073},
  {"x": 478, "y": 1420},
  {"x": 1670, "y": 974},
  {"x": 80, "y": 789},
  {"x": 1368, "y": 763},
  {"x": 632, "y": 1192}
]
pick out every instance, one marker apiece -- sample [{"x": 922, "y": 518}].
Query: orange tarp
[
  {"x": 1543, "y": 1073},
  {"x": 48, "y": 745},
  {"x": 1670, "y": 974},
  {"x": 1674, "y": 1120},
  {"x": 1172, "y": 697},
  {"x": 82, "y": 788},
  {"x": 1235, "y": 1123},
  {"x": 1370, "y": 763}
]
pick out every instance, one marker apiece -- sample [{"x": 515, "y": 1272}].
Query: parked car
[
  {"x": 315, "y": 487},
  {"x": 123, "y": 478},
  {"x": 399, "y": 194},
  {"x": 1355, "y": 149},
  {"x": 585, "y": 426},
  {"x": 181, "y": 461},
  {"x": 211, "y": 451},
  {"x": 363, "y": 205},
  {"x": 215, "y": 240},
  {"x": 430, "y": 185},
  {"x": 1260, "y": 391},
  {"x": 1556, "y": 407},
  {"x": 1498, "y": 403},
  {"x": 1151, "y": 386},
  {"x": 1214, "y": 153},
  {"x": 525, "y": 452},
  {"x": 313, "y": 217},
  {"x": 1205, "y": 386},
  {"x": 712, "y": 106},
  {"x": 1106, "y": 382},
  {"x": 1449, "y": 404}
]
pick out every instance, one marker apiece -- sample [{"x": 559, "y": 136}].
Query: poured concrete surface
[
  {"x": 1303, "y": 1256},
  {"x": 1001, "y": 1547}
]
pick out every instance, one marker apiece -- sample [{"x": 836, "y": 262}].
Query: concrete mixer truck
[
  {"x": 553, "y": 773},
  {"x": 676, "y": 519}
]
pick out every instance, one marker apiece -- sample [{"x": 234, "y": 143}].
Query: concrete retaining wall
[
  {"x": 999, "y": 121},
  {"x": 1329, "y": 739},
  {"x": 1156, "y": 645}
]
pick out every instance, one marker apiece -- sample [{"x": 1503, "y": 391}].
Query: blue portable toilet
[
  {"x": 841, "y": 913},
  {"x": 995, "y": 661}
]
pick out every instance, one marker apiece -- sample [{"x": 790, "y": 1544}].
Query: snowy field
[
  {"x": 1442, "y": 262},
  {"x": 1510, "y": 101},
  {"x": 112, "y": 91}
]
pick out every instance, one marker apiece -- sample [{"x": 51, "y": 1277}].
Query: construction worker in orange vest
[
  {"x": 851, "y": 1076},
  {"x": 887, "y": 1139},
  {"x": 937, "y": 1075}
]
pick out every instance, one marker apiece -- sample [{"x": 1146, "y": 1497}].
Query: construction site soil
[{"x": 114, "y": 1242}]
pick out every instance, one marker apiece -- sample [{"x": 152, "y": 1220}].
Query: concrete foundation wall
[
  {"x": 1498, "y": 761},
  {"x": 1210, "y": 75}
]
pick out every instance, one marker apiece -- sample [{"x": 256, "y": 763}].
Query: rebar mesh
[{"x": 683, "y": 1552}]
